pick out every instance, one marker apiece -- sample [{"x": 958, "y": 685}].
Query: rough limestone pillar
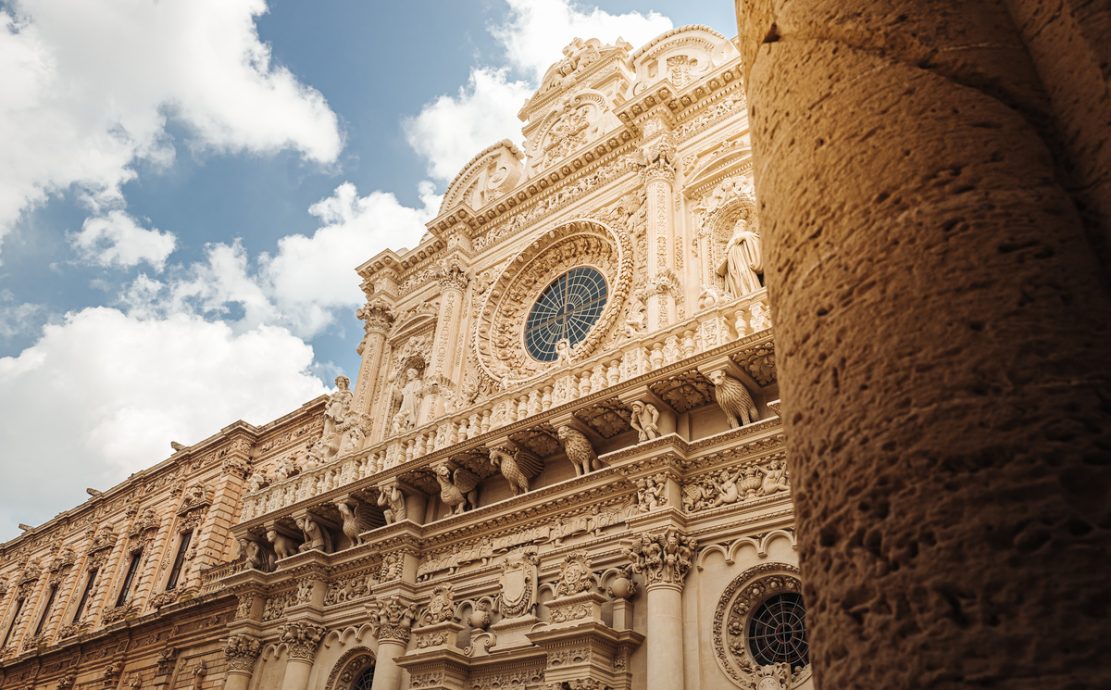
[
  {"x": 445, "y": 345},
  {"x": 941, "y": 342},
  {"x": 377, "y": 320},
  {"x": 302, "y": 640},
  {"x": 663, "y": 559},
  {"x": 395, "y": 622},
  {"x": 241, "y": 652}
]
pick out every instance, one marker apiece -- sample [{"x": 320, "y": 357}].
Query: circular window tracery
[
  {"x": 365, "y": 680},
  {"x": 760, "y": 628},
  {"x": 777, "y": 631},
  {"x": 566, "y": 310}
]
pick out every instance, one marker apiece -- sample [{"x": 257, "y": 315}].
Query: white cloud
[
  {"x": 89, "y": 87},
  {"x": 17, "y": 318},
  {"x": 116, "y": 239},
  {"x": 537, "y": 31},
  {"x": 103, "y": 393},
  {"x": 302, "y": 284},
  {"x": 449, "y": 131}
]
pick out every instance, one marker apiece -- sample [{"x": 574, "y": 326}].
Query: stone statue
[
  {"x": 578, "y": 450},
  {"x": 733, "y": 399},
  {"x": 645, "y": 420},
  {"x": 338, "y": 407},
  {"x": 775, "y": 478},
  {"x": 352, "y": 526},
  {"x": 392, "y": 502},
  {"x": 743, "y": 262},
  {"x": 516, "y": 467},
  {"x": 650, "y": 494},
  {"x": 284, "y": 547},
  {"x": 458, "y": 488},
  {"x": 316, "y": 537},
  {"x": 408, "y": 398}
]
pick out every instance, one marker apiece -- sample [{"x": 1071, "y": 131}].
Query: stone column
[
  {"x": 301, "y": 639},
  {"x": 377, "y": 321},
  {"x": 395, "y": 621},
  {"x": 241, "y": 652},
  {"x": 663, "y": 559},
  {"x": 440, "y": 373},
  {"x": 941, "y": 342},
  {"x": 658, "y": 174}
]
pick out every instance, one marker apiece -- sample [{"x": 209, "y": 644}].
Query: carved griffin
[
  {"x": 458, "y": 487},
  {"x": 578, "y": 450},
  {"x": 733, "y": 399},
  {"x": 516, "y": 466}
]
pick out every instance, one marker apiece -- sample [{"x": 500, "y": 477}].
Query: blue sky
[{"x": 186, "y": 186}]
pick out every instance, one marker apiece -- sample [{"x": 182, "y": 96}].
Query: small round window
[
  {"x": 365, "y": 680},
  {"x": 566, "y": 310},
  {"x": 777, "y": 631}
]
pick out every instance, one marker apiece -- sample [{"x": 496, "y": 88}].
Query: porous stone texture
[{"x": 942, "y": 342}]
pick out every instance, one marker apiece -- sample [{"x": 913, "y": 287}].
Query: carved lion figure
[
  {"x": 284, "y": 547},
  {"x": 578, "y": 450},
  {"x": 733, "y": 399}
]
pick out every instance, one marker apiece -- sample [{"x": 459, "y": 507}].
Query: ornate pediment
[{"x": 487, "y": 177}]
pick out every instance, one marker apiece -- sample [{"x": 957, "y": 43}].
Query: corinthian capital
[
  {"x": 302, "y": 639},
  {"x": 452, "y": 276},
  {"x": 241, "y": 652},
  {"x": 376, "y": 316},
  {"x": 663, "y": 558},
  {"x": 394, "y": 618}
]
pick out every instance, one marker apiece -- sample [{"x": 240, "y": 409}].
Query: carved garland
[
  {"x": 736, "y": 604},
  {"x": 498, "y": 338}
]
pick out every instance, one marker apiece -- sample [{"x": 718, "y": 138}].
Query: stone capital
[
  {"x": 241, "y": 651},
  {"x": 663, "y": 558},
  {"x": 302, "y": 638},
  {"x": 377, "y": 317},
  {"x": 394, "y": 618}
]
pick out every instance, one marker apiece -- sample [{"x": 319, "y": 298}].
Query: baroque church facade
[{"x": 561, "y": 464}]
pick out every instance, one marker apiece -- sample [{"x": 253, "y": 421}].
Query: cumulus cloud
[
  {"x": 117, "y": 239},
  {"x": 450, "y": 130},
  {"x": 17, "y": 318},
  {"x": 305, "y": 281},
  {"x": 102, "y": 394},
  {"x": 90, "y": 86}
]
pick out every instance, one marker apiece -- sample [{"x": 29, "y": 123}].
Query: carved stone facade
[{"x": 565, "y": 415}]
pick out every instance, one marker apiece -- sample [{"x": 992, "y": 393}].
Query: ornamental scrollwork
[{"x": 575, "y": 575}]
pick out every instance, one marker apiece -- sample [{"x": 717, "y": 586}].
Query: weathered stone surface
[{"x": 942, "y": 342}]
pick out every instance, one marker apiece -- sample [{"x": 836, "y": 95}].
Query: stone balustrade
[{"x": 708, "y": 330}]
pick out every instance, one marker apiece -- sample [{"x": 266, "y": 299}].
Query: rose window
[
  {"x": 565, "y": 311},
  {"x": 777, "y": 631}
]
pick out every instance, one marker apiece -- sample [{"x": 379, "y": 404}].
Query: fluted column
[
  {"x": 377, "y": 320},
  {"x": 241, "y": 653},
  {"x": 942, "y": 331},
  {"x": 395, "y": 621},
  {"x": 658, "y": 173},
  {"x": 663, "y": 559},
  {"x": 453, "y": 279},
  {"x": 301, "y": 640}
]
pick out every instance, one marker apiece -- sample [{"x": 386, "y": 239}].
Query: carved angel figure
[
  {"x": 578, "y": 450},
  {"x": 284, "y": 547},
  {"x": 743, "y": 262},
  {"x": 645, "y": 420},
  {"x": 352, "y": 525},
  {"x": 458, "y": 487},
  {"x": 517, "y": 467},
  {"x": 733, "y": 399},
  {"x": 392, "y": 502}
]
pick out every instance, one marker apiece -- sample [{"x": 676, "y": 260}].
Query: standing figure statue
[
  {"x": 743, "y": 264},
  {"x": 645, "y": 419},
  {"x": 338, "y": 407},
  {"x": 407, "y": 398}
]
